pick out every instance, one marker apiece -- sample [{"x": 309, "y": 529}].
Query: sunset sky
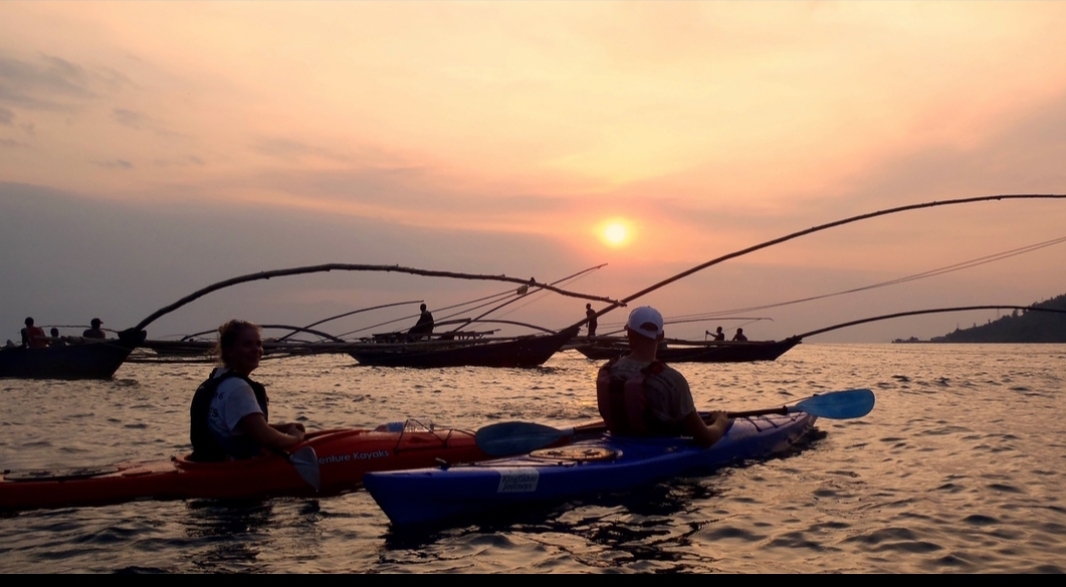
[{"x": 148, "y": 149}]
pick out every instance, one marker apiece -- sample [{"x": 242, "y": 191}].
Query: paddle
[
  {"x": 510, "y": 438},
  {"x": 306, "y": 463}
]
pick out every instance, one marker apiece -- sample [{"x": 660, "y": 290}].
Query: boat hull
[
  {"x": 529, "y": 351},
  {"x": 91, "y": 360},
  {"x": 723, "y": 352},
  {"x": 344, "y": 456},
  {"x": 434, "y": 495}
]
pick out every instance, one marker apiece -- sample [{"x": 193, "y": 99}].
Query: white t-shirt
[{"x": 234, "y": 399}]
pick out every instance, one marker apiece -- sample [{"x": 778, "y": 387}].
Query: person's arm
[
  {"x": 289, "y": 428},
  {"x": 255, "y": 425},
  {"x": 703, "y": 434}
]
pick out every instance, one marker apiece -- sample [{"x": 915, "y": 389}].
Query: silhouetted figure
[
  {"x": 590, "y": 319},
  {"x": 33, "y": 336},
  {"x": 719, "y": 335},
  {"x": 95, "y": 331},
  {"x": 739, "y": 336},
  {"x": 424, "y": 327},
  {"x": 56, "y": 341}
]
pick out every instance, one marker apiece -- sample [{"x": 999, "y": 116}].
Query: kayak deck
[
  {"x": 589, "y": 467},
  {"x": 344, "y": 456}
]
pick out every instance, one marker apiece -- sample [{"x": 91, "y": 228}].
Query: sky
[{"x": 150, "y": 149}]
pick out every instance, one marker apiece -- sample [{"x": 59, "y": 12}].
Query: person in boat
[
  {"x": 739, "y": 336},
  {"x": 590, "y": 320},
  {"x": 55, "y": 339},
  {"x": 719, "y": 336},
  {"x": 638, "y": 395},
  {"x": 33, "y": 336},
  {"x": 424, "y": 327},
  {"x": 94, "y": 331},
  {"x": 229, "y": 409}
]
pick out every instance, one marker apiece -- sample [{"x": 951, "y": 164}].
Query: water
[{"x": 959, "y": 468}]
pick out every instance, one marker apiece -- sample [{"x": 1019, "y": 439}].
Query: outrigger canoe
[
  {"x": 339, "y": 458},
  {"x": 696, "y": 351},
  {"x": 522, "y": 352},
  {"x": 588, "y": 467},
  {"x": 86, "y": 359}
]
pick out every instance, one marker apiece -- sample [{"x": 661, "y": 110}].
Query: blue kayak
[{"x": 608, "y": 463}]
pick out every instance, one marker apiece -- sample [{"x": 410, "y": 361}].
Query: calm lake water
[{"x": 961, "y": 467}]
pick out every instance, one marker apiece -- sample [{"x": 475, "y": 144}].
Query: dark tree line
[{"x": 1020, "y": 326}]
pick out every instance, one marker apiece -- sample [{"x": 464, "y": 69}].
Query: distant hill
[{"x": 1021, "y": 326}]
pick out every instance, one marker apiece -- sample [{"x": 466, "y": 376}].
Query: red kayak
[{"x": 333, "y": 460}]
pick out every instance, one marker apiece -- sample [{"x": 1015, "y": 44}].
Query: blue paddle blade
[
  {"x": 838, "y": 405},
  {"x": 512, "y": 438}
]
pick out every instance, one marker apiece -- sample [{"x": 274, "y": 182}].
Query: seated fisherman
[
  {"x": 424, "y": 327},
  {"x": 33, "y": 336},
  {"x": 95, "y": 331}
]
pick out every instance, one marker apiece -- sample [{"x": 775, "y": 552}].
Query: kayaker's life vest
[
  {"x": 623, "y": 402},
  {"x": 205, "y": 445}
]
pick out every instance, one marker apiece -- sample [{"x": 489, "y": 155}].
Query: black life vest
[
  {"x": 623, "y": 402},
  {"x": 205, "y": 446}
]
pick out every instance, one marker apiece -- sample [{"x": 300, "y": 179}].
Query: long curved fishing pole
[
  {"x": 813, "y": 229},
  {"x": 135, "y": 331},
  {"x": 914, "y": 277},
  {"x": 493, "y": 299},
  {"x": 359, "y": 311},
  {"x": 920, "y": 312},
  {"x": 294, "y": 329},
  {"x": 539, "y": 289},
  {"x": 409, "y": 317}
]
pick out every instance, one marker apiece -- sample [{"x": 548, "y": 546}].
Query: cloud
[
  {"x": 114, "y": 164},
  {"x": 191, "y": 160},
  {"x": 6, "y": 116},
  {"x": 127, "y": 117},
  {"x": 49, "y": 83},
  {"x": 292, "y": 150},
  {"x": 156, "y": 253},
  {"x": 13, "y": 144}
]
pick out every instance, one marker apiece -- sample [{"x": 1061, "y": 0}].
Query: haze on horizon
[{"x": 150, "y": 149}]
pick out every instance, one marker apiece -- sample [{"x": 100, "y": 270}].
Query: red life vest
[
  {"x": 623, "y": 402},
  {"x": 36, "y": 337}
]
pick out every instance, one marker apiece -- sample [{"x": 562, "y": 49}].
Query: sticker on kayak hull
[
  {"x": 517, "y": 480},
  {"x": 577, "y": 454}
]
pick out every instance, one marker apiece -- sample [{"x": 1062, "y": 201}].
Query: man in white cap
[{"x": 640, "y": 396}]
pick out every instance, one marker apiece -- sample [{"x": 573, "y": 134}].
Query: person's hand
[
  {"x": 293, "y": 429},
  {"x": 718, "y": 420}
]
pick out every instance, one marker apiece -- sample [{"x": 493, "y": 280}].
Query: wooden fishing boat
[
  {"x": 86, "y": 359},
  {"x": 681, "y": 351},
  {"x": 520, "y": 351}
]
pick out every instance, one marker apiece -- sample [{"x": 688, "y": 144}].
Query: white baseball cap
[{"x": 646, "y": 321}]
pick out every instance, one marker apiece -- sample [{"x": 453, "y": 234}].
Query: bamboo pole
[
  {"x": 818, "y": 228},
  {"x": 351, "y": 267},
  {"x": 920, "y": 312}
]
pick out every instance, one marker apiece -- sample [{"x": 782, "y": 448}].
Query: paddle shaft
[
  {"x": 507, "y": 438},
  {"x": 600, "y": 427}
]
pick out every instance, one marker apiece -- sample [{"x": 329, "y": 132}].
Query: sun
[{"x": 615, "y": 233}]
